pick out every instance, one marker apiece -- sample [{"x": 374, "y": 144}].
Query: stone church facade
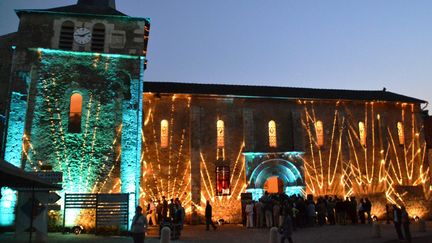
[
  {"x": 315, "y": 141},
  {"x": 77, "y": 102}
]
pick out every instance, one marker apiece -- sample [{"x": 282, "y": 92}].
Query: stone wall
[
  {"x": 342, "y": 166},
  {"x": 89, "y": 160}
]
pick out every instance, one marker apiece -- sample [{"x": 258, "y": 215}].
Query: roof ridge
[
  {"x": 266, "y": 86},
  {"x": 276, "y": 91}
]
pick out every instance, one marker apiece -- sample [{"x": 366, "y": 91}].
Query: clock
[{"x": 82, "y": 36}]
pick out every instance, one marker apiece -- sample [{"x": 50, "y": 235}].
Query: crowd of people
[
  {"x": 291, "y": 212},
  {"x": 159, "y": 213},
  {"x": 271, "y": 209},
  {"x": 162, "y": 211},
  {"x": 285, "y": 212}
]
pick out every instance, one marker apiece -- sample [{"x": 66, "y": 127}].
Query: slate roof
[
  {"x": 276, "y": 92},
  {"x": 87, "y": 9},
  {"x": 93, "y": 7}
]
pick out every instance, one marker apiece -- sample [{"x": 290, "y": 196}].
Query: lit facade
[
  {"x": 82, "y": 106},
  {"x": 76, "y": 88},
  {"x": 321, "y": 144}
]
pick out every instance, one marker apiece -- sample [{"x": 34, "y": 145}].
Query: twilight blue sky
[{"x": 348, "y": 44}]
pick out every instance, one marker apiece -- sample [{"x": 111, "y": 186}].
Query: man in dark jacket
[
  {"x": 164, "y": 208},
  {"x": 208, "y": 216},
  {"x": 397, "y": 220}
]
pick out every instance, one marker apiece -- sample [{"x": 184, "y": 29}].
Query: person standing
[
  {"x": 286, "y": 229},
  {"x": 164, "y": 209},
  {"x": 405, "y": 224},
  {"x": 171, "y": 210},
  {"x": 368, "y": 209},
  {"x": 397, "y": 215},
  {"x": 151, "y": 214},
  {"x": 208, "y": 216},
  {"x": 259, "y": 214},
  {"x": 249, "y": 214},
  {"x": 311, "y": 213},
  {"x": 268, "y": 211},
  {"x": 276, "y": 214},
  {"x": 361, "y": 211},
  {"x": 139, "y": 226},
  {"x": 159, "y": 211}
]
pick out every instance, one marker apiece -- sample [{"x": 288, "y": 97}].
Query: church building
[{"x": 76, "y": 99}]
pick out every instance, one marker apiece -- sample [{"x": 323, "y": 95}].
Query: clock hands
[{"x": 82, "y": 34}]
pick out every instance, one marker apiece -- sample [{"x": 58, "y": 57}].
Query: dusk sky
[{"x": 342, "y": 44}]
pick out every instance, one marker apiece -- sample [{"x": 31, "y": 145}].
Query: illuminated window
[
  {"x": 66, "y": 35},
  {"x": 362, "y": 133},
  {"x": 75, "y": 113},
  {"x": 222, "y": 180},
  {"x": 220, "y": 134},
  {"x": 164, "y": 134},
  {"x": 98, "y": 38},
  {"x": 401, "y": 133},
  {"x": 272, "y": 134},
  {"x": 319, "y": 133}
]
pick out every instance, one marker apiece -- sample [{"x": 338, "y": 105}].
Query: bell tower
[{"x": 76, "y": 99}]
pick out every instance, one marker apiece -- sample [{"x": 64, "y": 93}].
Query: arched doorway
[{"x": 275, "y": 176}]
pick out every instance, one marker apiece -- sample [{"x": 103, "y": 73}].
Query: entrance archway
[{"x": 283, "y": 169}]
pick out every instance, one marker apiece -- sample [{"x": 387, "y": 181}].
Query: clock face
[{"x": 82, "y": 36}]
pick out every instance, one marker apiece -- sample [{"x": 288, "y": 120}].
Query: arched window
[
  {"x": 220, "y": 134},
  {"x": 319, "y": 129},
  {"x": 362, "y": 133},
  {"x": 223, "y": 181},
  {"x": 98, "y": 38},
  {"x": 66, "y": 35},
  {"x": 75, "y": 113},
  {"x": 401, "y": 133},
  {"x": 164, "y": 134},
  {"x": 272, "y": 134}
]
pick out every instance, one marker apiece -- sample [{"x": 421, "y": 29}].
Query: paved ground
[{"x": 235, "y": 233}]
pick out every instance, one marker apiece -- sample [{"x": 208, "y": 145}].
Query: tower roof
[{"x": 94, "y": 7}]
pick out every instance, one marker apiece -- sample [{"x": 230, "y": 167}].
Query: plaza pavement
[{"x": 236, "y": 233}]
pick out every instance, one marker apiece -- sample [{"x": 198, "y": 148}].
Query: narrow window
[
  {"x": 401, "y": 134},
  {"x": 222, "y": 180},
  {"x": 75, "y": 113},
  {"x": 272, "y": 134},
  {"x": 319, "y": 133},
  {"x": 220, "y": 134},
  {"x": 66, "y": 35},
  {"x": 362, "y": 133},
  {"x": 98, "y": 38},
  {"x": 164, "y": 134}
]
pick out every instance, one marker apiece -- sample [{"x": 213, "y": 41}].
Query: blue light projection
[
  {"x": 284, "y": 169},
  {"x": 257, "y": 193},
  {"x": 294, "y": 190},
  {"x": 130, "y": 167},
  {"x": 13, "y": 151},
  {"x": 87, "y": 54}
]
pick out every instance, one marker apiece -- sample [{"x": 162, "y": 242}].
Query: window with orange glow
[
  {"x": 220, "y": 134},
  {"x": 223, "y": 180},
  {"x": 362, "y": 133},
  {"x": 319, "y": 129},
  {"x": 272, "y": 134},
  {"x": 75, "y": 113},
  {"x": 401, "y": 134},
  {"x": 164, "y": 134}
]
